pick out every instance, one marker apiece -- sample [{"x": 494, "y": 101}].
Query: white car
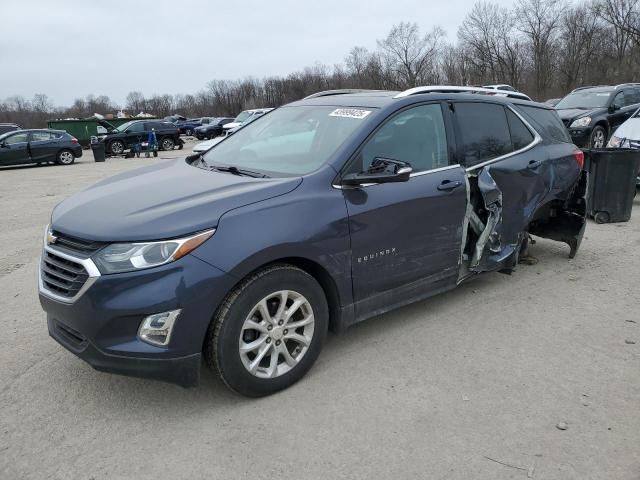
[
  {"x": 507, "y": 88},
  {"x": 627, "y": 135},
  {"x": 246, "y": 116},
  {"x": 204, "y": 146}
]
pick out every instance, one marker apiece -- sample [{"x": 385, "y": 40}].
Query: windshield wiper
[{"x": 238, "y": 171}]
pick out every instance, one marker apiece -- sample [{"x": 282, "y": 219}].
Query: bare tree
[
  {"x": 409, "y": 55},
  {"x": 539, "y": 20}
]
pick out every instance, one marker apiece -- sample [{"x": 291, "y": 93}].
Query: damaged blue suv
[{"x": 319, "y": 215}]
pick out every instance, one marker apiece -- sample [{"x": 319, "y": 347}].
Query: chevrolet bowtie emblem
[{"x": 51, "y": 238}]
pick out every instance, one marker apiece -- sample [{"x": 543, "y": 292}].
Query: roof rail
[
  {"x": 461, "y": 89},
  {"x": 343, "y": 91},
  {"x": 630, "y": 84},
  {"x": 587, "y": 86}
]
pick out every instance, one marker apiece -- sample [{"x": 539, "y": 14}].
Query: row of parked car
[{"x": 595, "y": 117}]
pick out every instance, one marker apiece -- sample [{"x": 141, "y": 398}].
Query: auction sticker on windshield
[{"x": 350, "y": 113}]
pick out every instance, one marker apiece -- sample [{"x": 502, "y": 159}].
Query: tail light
[
  {"x": 74, "y": 140},
  {"x": 579, "y": 157}
]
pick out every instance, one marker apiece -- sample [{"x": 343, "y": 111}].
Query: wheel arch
[{"x": 319, "y": 273}]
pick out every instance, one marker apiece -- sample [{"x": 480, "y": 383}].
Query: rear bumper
[{"x": 183, "y": 371}]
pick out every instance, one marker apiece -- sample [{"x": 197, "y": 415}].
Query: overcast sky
[{"x": 71, "y": 48}]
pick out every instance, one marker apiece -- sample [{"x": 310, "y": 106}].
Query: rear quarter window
[{"x": 546, "y": 122}]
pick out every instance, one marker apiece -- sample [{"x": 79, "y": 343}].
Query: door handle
[
  {"x": 534, "y": 164},
  {"x": 448, "y": 185}
]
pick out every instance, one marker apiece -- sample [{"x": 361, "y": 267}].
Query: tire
[
  {"x": 167, "y": 143},
  {"x": 230, "y": 331},
  {"x": 598, "y": 138},
  {"x": 188, "y": 132},
  {"x": 65, "y": 157},
  {"x": 116, "y": 147},
  {"x": 601, "y": 217}
]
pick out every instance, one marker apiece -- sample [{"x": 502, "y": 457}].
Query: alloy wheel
[
  {"x": 276, "y": 334},
  {"x": 66, "y": 157},
  {"x": 167, "y": 144},
  {"x": 598, "y": 139}
]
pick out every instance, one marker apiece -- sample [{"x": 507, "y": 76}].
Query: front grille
[
  {"x": 61, "y": 276},
  {"x": 84, "y": 248},
  {"x": 566, "y": 122}
]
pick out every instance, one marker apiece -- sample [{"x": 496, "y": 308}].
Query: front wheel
[
  {"x": 598, "y": 137},
  {"x": 167, "y": 143},
  {"x": 269, "y": 331},
  {"x": 65, "y": 157},
  {"x": 116, "y": 147}
]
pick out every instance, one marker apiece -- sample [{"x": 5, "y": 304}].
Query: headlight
[
  {"x": 614, "y": 142},
  {"x": 126, "y": 257},
  {"x": 617, "y": 142},
  {"x": 581, "y": 122}
]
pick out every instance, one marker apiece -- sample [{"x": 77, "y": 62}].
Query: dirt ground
[{"x": 468, "y": 385}]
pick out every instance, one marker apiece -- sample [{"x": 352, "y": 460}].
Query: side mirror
[
  {"x": 614, "y": 108},
  {"x": 3, "y": 145},
  {"x": 382, "y": 170}
]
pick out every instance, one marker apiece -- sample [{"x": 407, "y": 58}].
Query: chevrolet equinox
[{"x": 320, "y": 214}]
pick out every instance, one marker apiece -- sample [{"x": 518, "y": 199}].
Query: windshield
[
  {"x": 124, "y": 126},
  {"x": 242, "y": 117},
  {"x": 289, "y": 141},
  {"x": 585, "y": 99}
]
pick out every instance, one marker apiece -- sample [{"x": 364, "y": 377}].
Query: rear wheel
[
  {"x": 598, "y": 137},
  {"x": 167, "y": 143},
  {"x": 65, "y": 157},
  {"x": 269, "y": 331},
  {"x": 188, "y": 132}
]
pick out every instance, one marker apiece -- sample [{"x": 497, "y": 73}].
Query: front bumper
[
  {"x": 183, "y": 371},
  {"x": 580, "y": 136},
  {"x": 101, "y": 325}
]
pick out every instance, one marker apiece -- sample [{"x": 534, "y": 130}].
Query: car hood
[
  {"x": 629, "y": 130},
  {"x": 573, "y": 113},
  {"x": 165, "y": 200},
  {"x": 232, "y": 125}
]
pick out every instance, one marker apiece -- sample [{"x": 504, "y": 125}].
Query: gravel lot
[{"x": 444, "y": 389}]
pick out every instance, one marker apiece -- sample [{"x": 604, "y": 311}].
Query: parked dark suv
[
  {"x": 213, "y": 129},
  {"x": 317, "y": 215},
  {"x": 592, "y": 114},
  {"x": 137, "y": 131}
]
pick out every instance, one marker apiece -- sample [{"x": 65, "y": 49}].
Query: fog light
[{"x": 156, "y": 329}]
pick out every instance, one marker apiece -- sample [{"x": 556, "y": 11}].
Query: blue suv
[{"x": 316, "y": 216}]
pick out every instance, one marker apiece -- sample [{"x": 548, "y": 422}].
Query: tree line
[{"x": 544, "y": 48}]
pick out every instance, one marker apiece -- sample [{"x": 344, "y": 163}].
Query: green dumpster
[{"x": 85, "y": 128}]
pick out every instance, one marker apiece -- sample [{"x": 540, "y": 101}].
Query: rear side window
[
  {"x": 484, "y": 130},
  {"x": 520, "y": 134},
  {"x": 40, "y": 136},
  {"x": 546, "y": 122}
]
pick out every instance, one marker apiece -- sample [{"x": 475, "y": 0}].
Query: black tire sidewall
[{"x": 226, "y": 351}]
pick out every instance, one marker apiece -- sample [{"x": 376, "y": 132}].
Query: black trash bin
[
  {"x": 612, "y": 183},
  {"x": 99, "y": 153}
]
